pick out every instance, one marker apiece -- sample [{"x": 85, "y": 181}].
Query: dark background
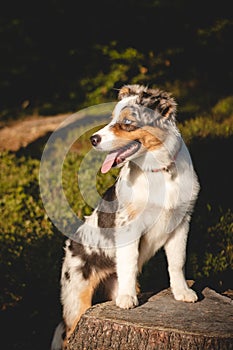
[{"x": 52, "y": 52}]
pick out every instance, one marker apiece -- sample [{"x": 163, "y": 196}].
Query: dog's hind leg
[
  {"x": 76, "y": 296},
  {"x": 76, "y": 289},
  {"x": 82, "y": 303},
  {"x": 82, "y": 271},
  {"x": 175, "y": 249}
]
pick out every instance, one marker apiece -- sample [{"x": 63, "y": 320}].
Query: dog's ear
[
  {"x": 131, "y": 90},
  {"x": 127, "y": 90},
  {"x": 159, "y": 101},
  {"x": 155, "y": 99}
]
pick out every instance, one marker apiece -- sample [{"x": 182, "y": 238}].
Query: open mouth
[{"x": 118, "y": 156}]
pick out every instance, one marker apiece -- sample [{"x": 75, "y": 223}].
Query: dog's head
[{"x": 139, "y": 123}]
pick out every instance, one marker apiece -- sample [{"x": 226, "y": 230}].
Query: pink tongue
[{"x": 109, "y": 160}]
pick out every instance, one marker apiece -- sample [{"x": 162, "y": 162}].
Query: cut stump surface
[{"x": 159, "y": 323}]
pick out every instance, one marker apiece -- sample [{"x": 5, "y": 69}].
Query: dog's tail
[{"x": 58, "y": 337}]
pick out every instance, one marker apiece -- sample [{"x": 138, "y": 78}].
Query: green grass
[{"x": 24, "y": 226}]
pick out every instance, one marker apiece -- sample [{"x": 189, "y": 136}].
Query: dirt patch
[{"x": 22, "y": 133}]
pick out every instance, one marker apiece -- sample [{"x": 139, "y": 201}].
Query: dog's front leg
[
  {"x": 175, "y": 249},
  {"x": 127, "y": 269}
]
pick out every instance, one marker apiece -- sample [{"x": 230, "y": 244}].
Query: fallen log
[{"x": 159, "y": 323}]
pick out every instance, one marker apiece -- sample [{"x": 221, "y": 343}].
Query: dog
[{"x": 149, "y": 207}]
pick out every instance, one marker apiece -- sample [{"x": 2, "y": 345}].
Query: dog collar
[
  {"x": 167, "y": 168},
  {"x": 171, "y": 168}
]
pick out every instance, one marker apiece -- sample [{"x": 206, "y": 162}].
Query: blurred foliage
[
  {"x": 26, "y": 231},
  {"x": 124, "y": 65},
  {"x": 56, "y": 57},
  {"x": 219, "y": 254},
  {"x": 84, "y": 184},
  {"x": 203, "y": 127},
  {"x": 223, "y": 109}
]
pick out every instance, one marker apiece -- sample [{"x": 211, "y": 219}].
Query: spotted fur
[{"x": 149, "y": 207}]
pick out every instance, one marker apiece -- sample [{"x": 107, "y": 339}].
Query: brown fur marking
[
  {"x": 124, "y": 91},
  {"x": 132, "y": 212},
  {"x": 146, "y": 135},
  {"x": 85, "y": 298}
]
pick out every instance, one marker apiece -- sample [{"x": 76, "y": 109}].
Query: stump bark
[{"x": 159, "y": 323}]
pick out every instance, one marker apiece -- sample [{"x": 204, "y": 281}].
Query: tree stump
[{"x": 160, "y": 322}]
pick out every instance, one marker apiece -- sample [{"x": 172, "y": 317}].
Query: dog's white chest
[{"x": 148, "y": 188}]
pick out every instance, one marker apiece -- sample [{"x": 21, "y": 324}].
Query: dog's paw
[
  {"x": 188, "y": 295},
  {"x": 126, "y": 301}
]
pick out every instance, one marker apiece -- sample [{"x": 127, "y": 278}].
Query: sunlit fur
[{"x": 148, "y": 208}]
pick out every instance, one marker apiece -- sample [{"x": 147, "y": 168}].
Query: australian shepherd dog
[{"x": 149, "y": 207}]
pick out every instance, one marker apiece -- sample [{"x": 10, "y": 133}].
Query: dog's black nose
[{"x": 95, "y": 140}]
